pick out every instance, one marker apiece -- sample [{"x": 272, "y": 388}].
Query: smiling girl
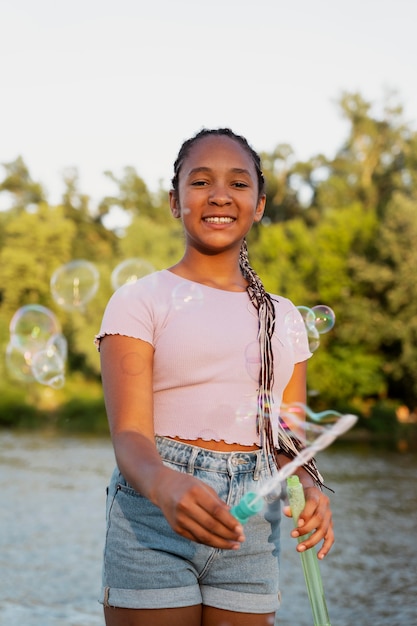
[{"x": 195, "y": 365}]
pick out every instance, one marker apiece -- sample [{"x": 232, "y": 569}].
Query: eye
[
  {"x": 240, "y": 184},
  {"x": 199, "y": 183}
]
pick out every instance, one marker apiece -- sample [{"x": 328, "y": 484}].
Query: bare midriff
[{"x": 218, "y": 446}]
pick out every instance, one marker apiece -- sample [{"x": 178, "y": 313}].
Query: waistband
[{"x": 190, "y": 456}]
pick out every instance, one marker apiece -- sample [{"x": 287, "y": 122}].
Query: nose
[{"x": 219, "y": 195}]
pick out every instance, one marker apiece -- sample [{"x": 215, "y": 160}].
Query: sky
[{"x": 100, "y": 85}]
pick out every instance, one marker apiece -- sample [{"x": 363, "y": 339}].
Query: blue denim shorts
[{"x": 147, "y": 565}]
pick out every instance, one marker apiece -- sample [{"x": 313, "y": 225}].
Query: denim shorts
[{"x": 147, "y": 565}]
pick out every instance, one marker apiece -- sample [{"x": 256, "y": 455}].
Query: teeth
[{"x": 219, "y": 220}]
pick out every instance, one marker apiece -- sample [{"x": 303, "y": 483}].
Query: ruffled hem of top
[{"x": 99, "y": 337}]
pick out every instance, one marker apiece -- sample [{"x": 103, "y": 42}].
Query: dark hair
[
  {"x": 265, "y": 307},
  {"x": 225, "y": 132}
]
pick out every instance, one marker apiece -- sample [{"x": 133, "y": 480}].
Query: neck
[{"x": 213, "y": 271}]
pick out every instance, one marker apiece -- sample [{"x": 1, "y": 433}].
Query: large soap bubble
[
  {"x": 75, "y": 284},
  {"x": 129, "y": 271}
]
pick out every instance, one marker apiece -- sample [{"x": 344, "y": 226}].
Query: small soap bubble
[
  {"x": 187, "y": 296},
  {"x": 129, "y": 271},
  {"x": 324, "y": 318},
  {"x": 48, "y": 367},
  {"x": 75, "y": 284}
]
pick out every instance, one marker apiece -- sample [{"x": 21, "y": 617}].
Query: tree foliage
[{"x": 339, "y": 231}]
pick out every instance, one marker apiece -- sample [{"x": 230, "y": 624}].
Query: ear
[
  {"x": 260, "y": 209},
  {"x": 174, "y": 204}
]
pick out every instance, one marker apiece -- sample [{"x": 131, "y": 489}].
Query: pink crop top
[{"x": 206, "y": 360}]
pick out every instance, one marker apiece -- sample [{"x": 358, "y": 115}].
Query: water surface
[{"x": 52, "y": 526}]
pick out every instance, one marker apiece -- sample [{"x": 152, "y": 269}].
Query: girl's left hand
[{"x": 315, "y": 518}]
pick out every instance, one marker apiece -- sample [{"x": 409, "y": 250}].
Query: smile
[{"x": 219, "y": 220}]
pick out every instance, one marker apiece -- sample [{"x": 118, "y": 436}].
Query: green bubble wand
[{"x": 253, "y": 502}]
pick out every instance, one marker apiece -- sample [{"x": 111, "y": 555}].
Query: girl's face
[{"x": 217, "y": 197}]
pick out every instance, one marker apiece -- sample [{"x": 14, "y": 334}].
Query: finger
[
  {"x": 324, "y": 532},
  {"x": 327, "y": 545},
  {"x": 211, "y": 523}
]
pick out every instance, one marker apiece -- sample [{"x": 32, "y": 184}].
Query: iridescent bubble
[
  {"x": 324, "y": 318},
  {"x": 31, "y": 327},
  {"x": 129, "y": 271},
  {"x": 308, "y": 316},
  {"x": 187, "y": 296},
  {"x": 295, "y": 327},
  {"x": 48, "y": 367},
  {"x": 75, "y": 284},
  {"x": 247, "y": 411},
  {"x": 253, "y": 360},
  {"x": 303, "y": 421},
  {"x": 313, "y": 338}
]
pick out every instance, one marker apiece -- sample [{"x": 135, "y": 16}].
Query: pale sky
[{"x": 102, "y": 84}]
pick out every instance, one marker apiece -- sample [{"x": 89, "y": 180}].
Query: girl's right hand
[{"x": 195, "y": 511}]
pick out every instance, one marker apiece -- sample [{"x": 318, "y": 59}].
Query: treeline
[{"x": 340, "y": 231}]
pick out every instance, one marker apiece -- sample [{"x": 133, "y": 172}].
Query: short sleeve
[{"x": 129, "y": 313}]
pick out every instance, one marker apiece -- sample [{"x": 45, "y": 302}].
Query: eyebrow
[{"x": 234, "y": 170}]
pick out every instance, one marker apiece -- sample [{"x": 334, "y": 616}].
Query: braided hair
[{"x": 288, "y": 444}]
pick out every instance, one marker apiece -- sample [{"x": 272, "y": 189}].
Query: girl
[{"x": 195, "y": 365}]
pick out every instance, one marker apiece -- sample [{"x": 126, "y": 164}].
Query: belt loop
[
  {"x": 230, "y": 464},
  {"x": 192, "y": 460},
  {"x": 257, "y": 470}
]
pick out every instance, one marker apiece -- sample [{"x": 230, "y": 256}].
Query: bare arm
[
  {"x": 193, "y": 509},
  {"x": 316, "y": 516}
]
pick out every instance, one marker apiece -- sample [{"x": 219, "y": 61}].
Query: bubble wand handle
[{"x": 309, "y": 559}]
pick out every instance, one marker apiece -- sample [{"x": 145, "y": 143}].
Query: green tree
[{"x": 19, "y": 184}]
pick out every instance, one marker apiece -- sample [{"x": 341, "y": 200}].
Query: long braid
[{"x": 288, "y": 444}]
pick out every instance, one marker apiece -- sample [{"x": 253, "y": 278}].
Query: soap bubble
[
  {"x": 305, "y": 423},
  {"x": 247, "y": 411},
  {"x": 308, "y": 316},
  {"x": 31, "y": 327},
  {"x": 187, "y": 296},
  {"x": 253, "y": 360},
  {"x": 313, "y": 337},
  {"x": 37, "y": 350},
  {"x": 74, "y": 284},
  {"x": 129, "y": 271},
  {"x": 295, "y": 327},
  {"x": 48, "y": 367},
  {"x": 324, "y": 318}
]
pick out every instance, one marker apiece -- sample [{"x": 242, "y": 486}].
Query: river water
[{"x": 52, "y": 526}]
